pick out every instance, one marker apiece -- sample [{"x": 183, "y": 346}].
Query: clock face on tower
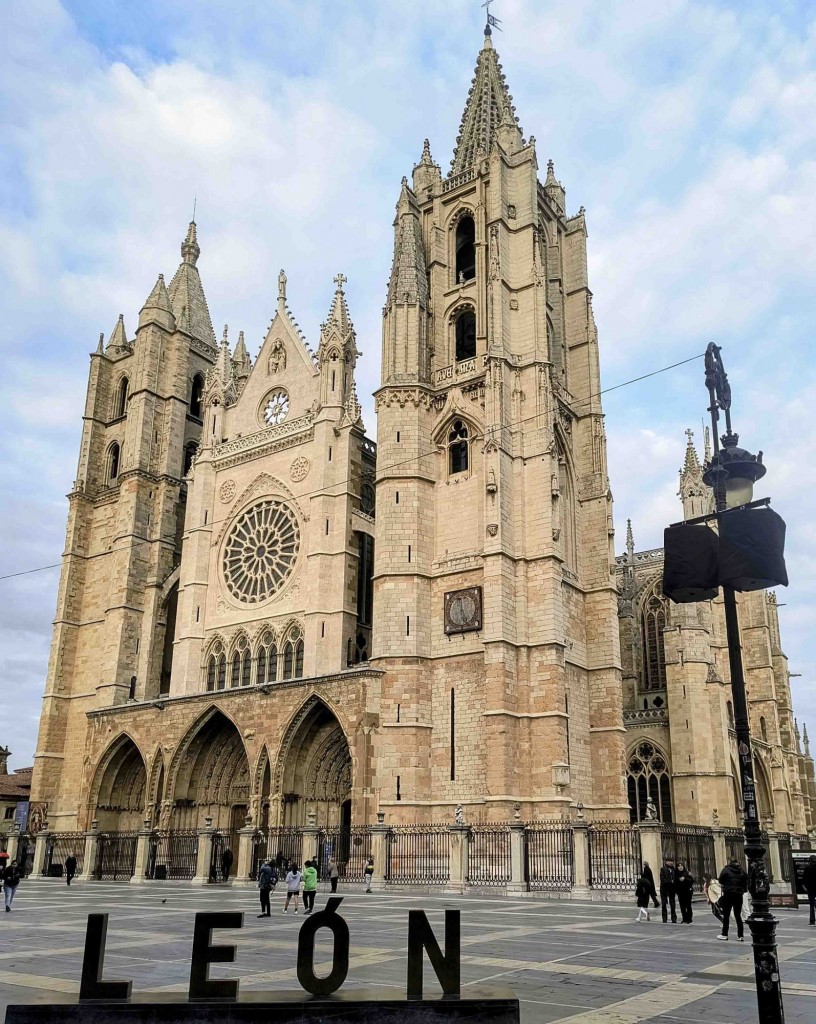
[{"x": 463, "y": 610}]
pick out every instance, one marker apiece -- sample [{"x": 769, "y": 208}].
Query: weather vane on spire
[{"x": 492, "y": 21}]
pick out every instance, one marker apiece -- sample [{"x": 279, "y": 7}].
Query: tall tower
[
  {"x": 116, "y": 598},
  {"x": 495, "y": 605}
]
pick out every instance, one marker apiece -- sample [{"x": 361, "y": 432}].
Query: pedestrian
[
  {"x": 226, "y": 863},
  {"x": 70, "y": 868},
  {"x": 809, "y": 882},
  {"x": 11, "y": 879},
  {"x": 643, "y": 891},
  {"x": 293, "y": 880},
  {"x": 309, "y": 886},
  {"x": 647, "y": 874},
  {"x": 684, "y": 884},
  {"x": 734, "y": 884},
  {"x": 713, "y": 892},
  {"x": 368, "y": 872},
  {"x": 334, "y": 874},
  {"x": 668, "y": 890},
  {"x": 267, "y": 880}
]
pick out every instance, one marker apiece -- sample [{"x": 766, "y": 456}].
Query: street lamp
[{"x": 731, "y": 473}]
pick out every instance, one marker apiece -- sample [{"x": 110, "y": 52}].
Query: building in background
[{"x": 15, "y": 791}]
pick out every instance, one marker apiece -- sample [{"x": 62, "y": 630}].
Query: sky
[{"x": 686, "y": 129}]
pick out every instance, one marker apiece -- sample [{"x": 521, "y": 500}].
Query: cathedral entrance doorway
[
  {"x": 212, "y": 776},
  {"x": 314, "y": 769},
  {"x": 119, "y": 794}
]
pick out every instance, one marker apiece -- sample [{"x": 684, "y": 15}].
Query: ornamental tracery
[{"x": 260, "y": 551}]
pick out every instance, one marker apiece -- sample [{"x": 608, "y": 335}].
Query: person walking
[
  {"x": 809, "y": 882},
  {"x": 647, "y": 874},
  {"x": 309, "y": 886},
  {"x": 267, "y": 879},
  {"x": 293, "y": 880},
  {"x": 668, "y": 891},
  {"x": 643, "y": 890},
  {"x": 226, "y": 864},
  {"x": 70, "y": 868},
  {"x": 334, "y": 874},
  {"x": 713, "y": 891},
  {"x": 734, "y": 884},
  {"x": 368, "y": 872},
  {"x": 684, "y": 883},
  {"x": 11, "y": 879}
]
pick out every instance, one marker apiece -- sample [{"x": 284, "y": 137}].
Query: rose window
[
  {"x": 260, "y": 551},
  {"x": 277, "y": 408}
]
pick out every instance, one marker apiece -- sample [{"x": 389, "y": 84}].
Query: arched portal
[
  {"x": 119, "y": 799},
  {"x": 212, "y": 777},
  {"x": 314, "y": 769}
]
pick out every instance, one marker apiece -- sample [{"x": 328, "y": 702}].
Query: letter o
[{"x": 328, "y": 918}]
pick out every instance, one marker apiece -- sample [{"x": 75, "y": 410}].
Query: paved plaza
[{"x": 587, "y": 963}]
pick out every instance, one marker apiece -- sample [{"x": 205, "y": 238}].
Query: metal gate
[
  {"x": 549, "y": 857},
  {"x": 25, "y": 854},
  {"x": 349, "y": 847},
  {"x": 59, "y": 846},
  {"x": 283, "y": 845},
  {"x": 694, "y": 846},
  {"x": 614, "y": 855},
  {"x": 173, "y": 854},
  {"x": 220, "y": 870},
  {"x": 417, "y": 855},
  {"x": 115, "y": 856},
  {"x": 489, "y": 855}
]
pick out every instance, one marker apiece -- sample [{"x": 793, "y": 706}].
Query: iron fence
[
  {"x": 349, "y": 847},
  {"x": 59, "y": 846},
  {"x": 223, "y": 855},
  {"x": 25, "y": 854},
  {"x": 549, "y": 857},
  {"x": 417, "y": 855},
  {"x": 173, "y": 854},
  {"x": 281, "y": 844},
  {"x": 489, "y": 855},
  {"x": 115, "y": 856},
  {"x": 786, "y": 858},
  {"x": 694, "y": 846},
  {"x": 735, "y": 849},
  {"x": 614, "y": 855}
]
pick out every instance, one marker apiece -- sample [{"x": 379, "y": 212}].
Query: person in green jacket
[{"x": 309, "y": 886}]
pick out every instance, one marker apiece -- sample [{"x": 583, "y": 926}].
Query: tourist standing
[
  {"x": 70, "y": 868},
  {"x": 643, "y": 891},
  {"x": 334, "y": 874},
  {"x": 267, "y": 879},
  {"x": 11, "y": 879},
  {"x": 226, "y": 864},
  {"x": 668, "y": 890},
  {"x": 368, "y": 872},
  {"x": 734, "y": 884},
  {"x": 647, "y": 874},
  {"x": 684, "y": 883},
  {"x": 809, "y": 882},
  {"x": 293, "y": 880},
  {"x": 309, "y": 886}
]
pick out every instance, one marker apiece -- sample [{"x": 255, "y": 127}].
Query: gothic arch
[
  {"x": 261, "y": 787},
  {"x": 653, "y": 618},
  {"x": 648, "y": 775},
  {"x": 170, "y": 581},
  {"x": 157, "y": 777},
  {"x": 118, "y": 791},
  {"x": 763, "y": 790},
  {"x": 566, "y": 494}
]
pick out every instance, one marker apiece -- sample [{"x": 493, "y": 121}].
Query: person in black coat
[
  {"x": 267, "y": 880},
  {"x": 643, "y": 891},
  {"x": 668, "y": 890},
  {"x": 226, "y": 864},
  {"x": 647, "y": 874},
  {"x": 684, "y": 883},
  {"x": 809, "y": 882},
  {"x": 11, "y": 879},
  {"x": 734, "y": 884},
  {"x": 70, "y": 868}
]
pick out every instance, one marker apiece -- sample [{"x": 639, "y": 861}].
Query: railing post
[
  {"x": 243, "y": 872},
  {"x": 40, "y": 845},
  {"x": 720, "y": 850},
  {"x": 458, "y": 843},
  {"x": 90, "y": 853},
  {"x": 379, "y": 847},
  {"x": 203, "y": 854},
  {"x": 776, "y": 861},
  {"x": 518, "y": 880},
  {"x": 581, "y": 888},
  {"x": 139, "y": 876},
  {"x": 651, "y": 845},
  {"x": 12, "y": 843},
  {"x": 311, "y": 839}
]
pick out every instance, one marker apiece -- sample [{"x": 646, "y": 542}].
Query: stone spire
[
  {"x": 805, "y": 740},
  {"x": 409, "y": 276},
  {"x": 117, "y": 342},
  {"x": 630, "y": 541},
  {"x": 157, "y": 307},
  {"x": 426, "y": 172},
  {"x": 554, "y": 189},
  {"x": 696, "y": 497},
  {"x": 488, "y": 104},
  {"x": 241, "y": 362},
  {"x": 706, "y": 446},
  {"x": 187, "y": 295},
  {"x": 339, "y": 313},
  {"x": 797, "y": 736},
  {"x": 220, "y": 381}
]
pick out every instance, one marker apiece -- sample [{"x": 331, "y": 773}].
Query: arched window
[
  {"x": 648, "y": 777},
  {"x": 121, "y": 398},
  {"x": 267, "y": 660},
  {"x": 458, "y": 447},
  {"x": 221, "y": 678},
  {"x": 113, "y": 463},
  {"x": 213, "y": 667},
  {"x": 235, "y": 670},
  {"x": 196, "y": 394},
  {"x": 465, "y": 327},
  {"x": 465, "y": 249},
  {"x": 293, "y": 654},
  {"x": 653, "y": 622},
  {"x": 190, "y": 451}
]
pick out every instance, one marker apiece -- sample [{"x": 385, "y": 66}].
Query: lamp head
[{"x": 740, "y": 469}]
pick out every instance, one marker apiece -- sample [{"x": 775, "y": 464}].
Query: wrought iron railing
[
  {"x": 115, "y": 856},
  {"x": 549, "y": 857},
  {"x": 417, "y": 855},
  {"x": 350, "y": 848},
  {"x": 173, "y": 854},
  {"x": 281, "y": 844},
  {"x": 614, "y": 855},
  {"x": 59, "y": 846},
  {"x": 489, "y": 860},
  {"x": 694, "y": 846}
]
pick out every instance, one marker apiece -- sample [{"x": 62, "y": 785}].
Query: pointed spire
[
  {"x": 707, "y": 446},
  {"x": 554, "y": 189},
  {"x": 692, "y": 463},
  {"x": 488, "y": 104},
  {"x": 426, "y": 172},
  {"x": 157, "y": 308},
  {"x": 118, "y": 338},
  {"x": 426, "y": 157},
  {"x": 339, "y": 313},
  {"x": 630, "y": 540},
  {"x": 100, "y": 348},
  {"x": 190, "y": 250},
  {"x": 186, "y": 294},
  {"x": 696, "y": 497},
  {"x": 805, "y": 740},
  {"x": 240, "y": 358},
  {"x": 797, "y": 736},
  {"x": 409, "y": 277},
  {"x": 223, "y": 364}
]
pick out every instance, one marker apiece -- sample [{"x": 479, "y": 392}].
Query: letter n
[{"x": 421, "y": 937}]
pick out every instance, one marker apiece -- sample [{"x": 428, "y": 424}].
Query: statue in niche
[
  {"x": 494, "y": 253},
  {"x": 277, "y": 357},
  {"x": 555, "y": 487}
]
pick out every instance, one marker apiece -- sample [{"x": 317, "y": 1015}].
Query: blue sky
[{"x": 685, "y": 128}]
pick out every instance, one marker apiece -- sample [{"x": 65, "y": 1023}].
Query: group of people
[
  {"x": 272, "y": 871},
  {"x": 725, "y": 895}
]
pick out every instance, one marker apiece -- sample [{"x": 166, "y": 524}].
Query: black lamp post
[{"x": 731, "y": 474}]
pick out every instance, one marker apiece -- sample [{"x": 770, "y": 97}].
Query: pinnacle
[
  {"x": 692, "y": 463},
  {"x": 190, "y": 250},
  {"x": 187, "y": 298},
  {"x": 118, "y": 336},
  {"x": 630, "y": 539},
  {"x": 158, "y": 298},
  {"x": 339, "y": 313}
]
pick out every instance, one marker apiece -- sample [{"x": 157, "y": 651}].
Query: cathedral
[{"x": 266, "y": 617}]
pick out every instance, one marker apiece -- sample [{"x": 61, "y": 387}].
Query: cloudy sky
[{"x": 686, "y": 128}]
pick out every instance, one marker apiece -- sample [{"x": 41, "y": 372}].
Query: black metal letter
[
  {"x": 91, "y": 985},
  {"x": 328, "y": 918},
  {"x": 201, "y": 987},
  {"x": 447, "y": 967}
]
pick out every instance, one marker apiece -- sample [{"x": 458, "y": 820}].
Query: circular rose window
[
  {"x": 260, "y": 551},
  {"x": 277, "y": 407}
]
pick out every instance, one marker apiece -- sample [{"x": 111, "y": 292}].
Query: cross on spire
[{"x": 340, "y": 280}]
